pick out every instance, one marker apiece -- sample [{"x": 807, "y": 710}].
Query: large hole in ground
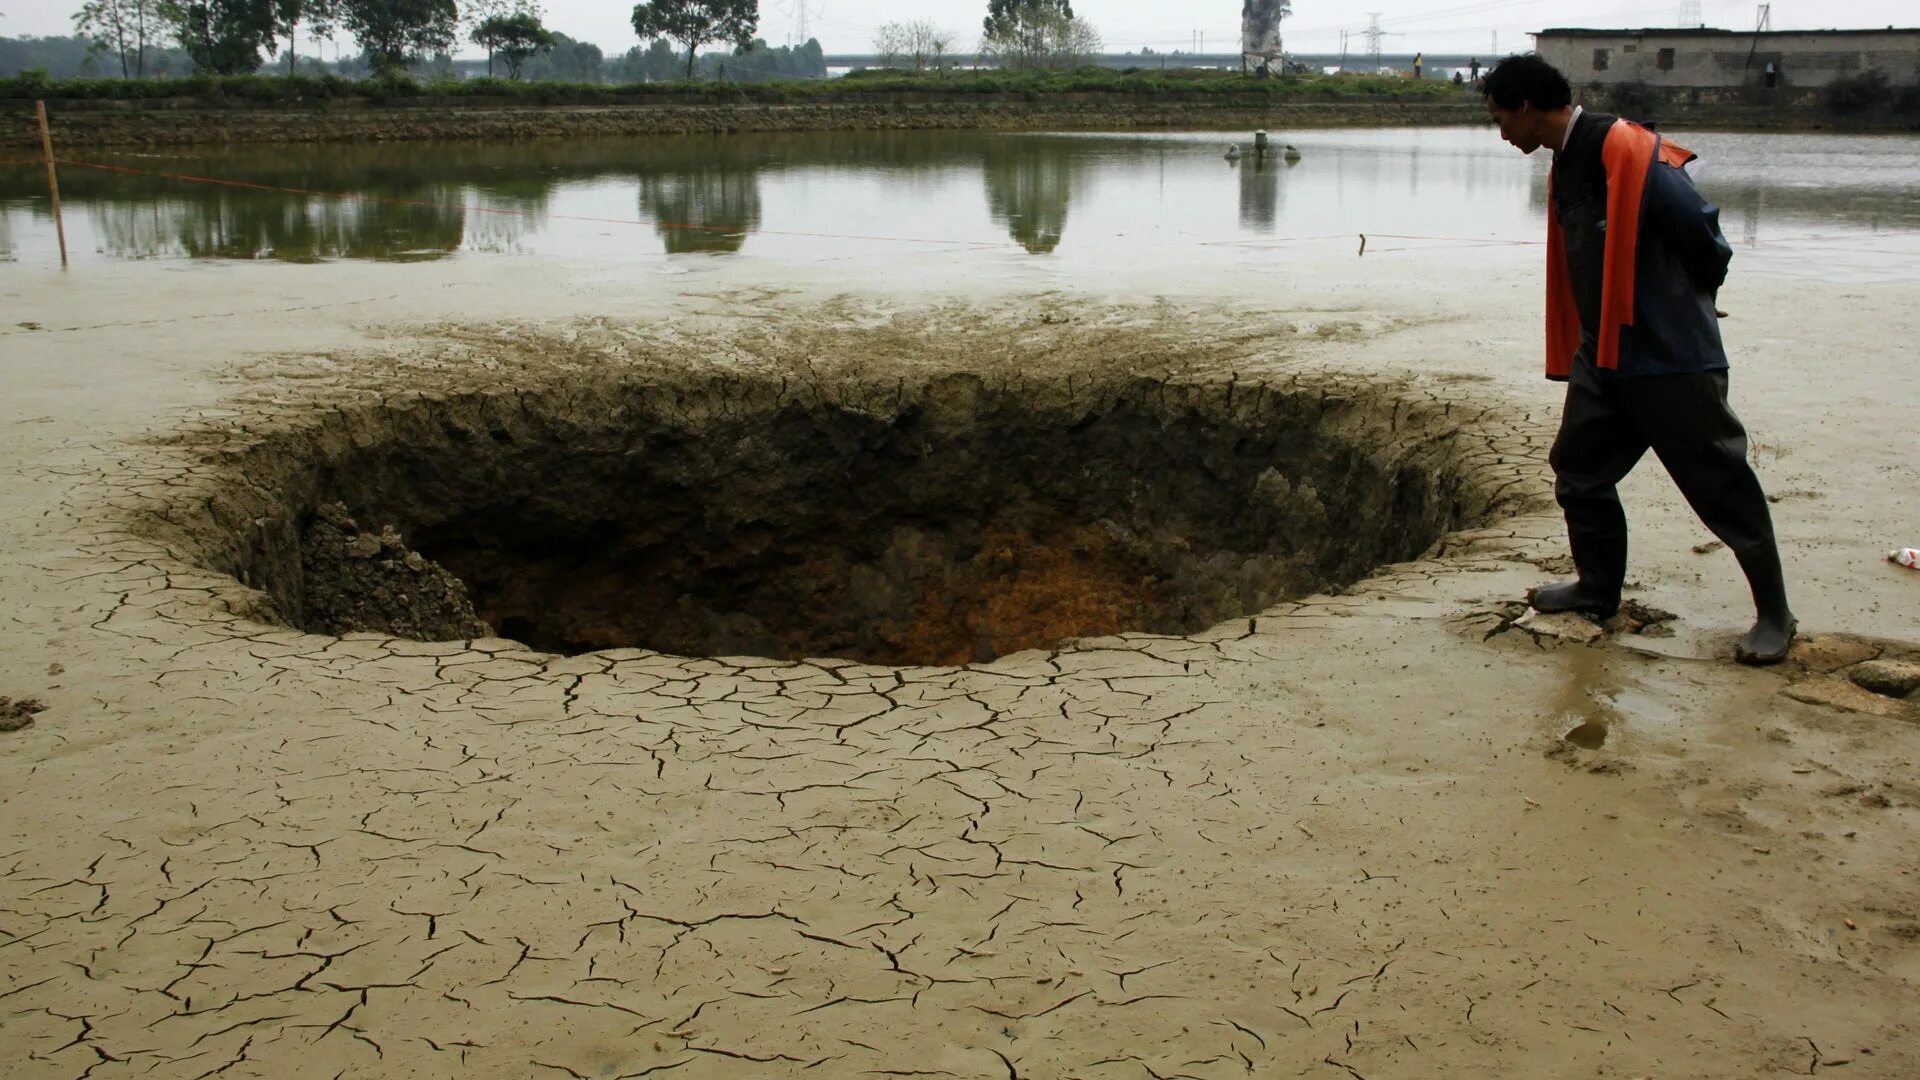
[{"x": 948, "y": 522}]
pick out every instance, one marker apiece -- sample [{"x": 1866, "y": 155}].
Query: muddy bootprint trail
[{"x": 1292, "y": 842}]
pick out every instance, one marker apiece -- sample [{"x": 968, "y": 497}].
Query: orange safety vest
[{"x": 1628, "y": 155}]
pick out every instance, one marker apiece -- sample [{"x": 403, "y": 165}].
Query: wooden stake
[{"x": 53, "y": 180}]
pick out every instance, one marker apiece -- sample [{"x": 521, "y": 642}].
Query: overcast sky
[{"x": 846, "y": 26}]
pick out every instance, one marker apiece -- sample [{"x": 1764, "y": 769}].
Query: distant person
[
  {"x": 1773, "y": 75},
  {"x": 1473, "y": 69},
  {"x": 1635, "y": 258},
  {"x": 1459, "y": 79},
  {"x": 1417, "y": 64}
]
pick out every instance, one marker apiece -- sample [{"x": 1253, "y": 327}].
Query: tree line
[
  {"x": 143, "y": 38},
  {"x": 149, "y": 38}
]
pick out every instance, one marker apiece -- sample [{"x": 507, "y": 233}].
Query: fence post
[{"x": 53, "y": 180}]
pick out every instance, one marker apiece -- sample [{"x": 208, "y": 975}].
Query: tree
[
  {"x": 1037, "y": 33},
  {"x": 515, "y": 37},
  {"x": 318, "y": 15},
  {"x": 391, "y": 31},
  {"x": 693, "y": 23},
  {"x": 122, "y": 25},
  {"x": 1018, "y": 26},
  {"x": 475, "y": 14},
  {"x": 918, "y": 41},
  {"x": 570, "y": 60},
  {"x": 223, "y": 37}
]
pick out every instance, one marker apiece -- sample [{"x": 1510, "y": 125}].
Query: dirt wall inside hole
[{"x": 1281, "y": 487}]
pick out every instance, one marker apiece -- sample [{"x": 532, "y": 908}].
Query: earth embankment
[{"x": 184, "y": 122}]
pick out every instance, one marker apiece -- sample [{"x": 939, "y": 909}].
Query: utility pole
[
  {"x": 1763, "y": 20},
  {"x": 800, "y": 26},
  {"x": 1343, "y": 50},
  {"x": 1374, "y": 34}
]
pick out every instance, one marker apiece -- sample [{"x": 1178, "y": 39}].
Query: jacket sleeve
[{"x": 1689, "y": 225}]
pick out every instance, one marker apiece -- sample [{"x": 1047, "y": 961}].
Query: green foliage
[
  {"x": 568, "y": 61},
  {"x": 656, "y": 63},
  {"x": 393, "y": 31},
  {"x": 1016, "y": 17},
  {"x": 128, "y": 27},
  {"x": 515, "y": 37},
  {"x": 222, "y": 37},
  {"x": 318, "y": 16},
  {"x": 694, "y": 23},
  {"x": 60, "y": 57}
]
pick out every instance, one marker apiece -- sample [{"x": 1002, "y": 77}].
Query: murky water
[{"x": 1833, "y": 207}]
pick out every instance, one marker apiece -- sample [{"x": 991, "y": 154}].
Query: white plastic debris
[{"x": 1907, "y": 557}]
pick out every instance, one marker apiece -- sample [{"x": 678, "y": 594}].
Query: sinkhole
[{"x": 945, "y": 521}]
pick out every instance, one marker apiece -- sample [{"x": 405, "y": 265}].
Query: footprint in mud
[{"x": 15, "y": 715}]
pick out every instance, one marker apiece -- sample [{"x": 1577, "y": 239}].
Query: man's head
[{"x": 1529, "y": 97}]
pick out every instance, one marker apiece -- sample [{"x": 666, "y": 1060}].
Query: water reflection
[
  {"x": 829, "y": 194},
  {"x": 1029, "y": 183},
  {"x": 704, "y": 199},
  {"x": 1259, "y": 193}
]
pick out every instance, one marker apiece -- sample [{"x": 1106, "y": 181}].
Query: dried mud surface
[{"x": 1342, "y": 837}]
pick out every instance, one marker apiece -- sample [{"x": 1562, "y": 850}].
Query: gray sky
[{"x": 1430, "y": 25}]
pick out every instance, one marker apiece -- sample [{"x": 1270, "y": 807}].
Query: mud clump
[
  {"x": 365, "y": 581},
  {"x": 15, "y": 715}
]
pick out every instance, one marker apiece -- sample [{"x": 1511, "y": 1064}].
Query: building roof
[{"x": 1707, "y": 31}]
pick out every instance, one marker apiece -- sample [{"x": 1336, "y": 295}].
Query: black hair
[{"x": 1526, "y": 79}]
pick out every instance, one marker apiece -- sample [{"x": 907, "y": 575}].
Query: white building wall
[{"x": 1730, "y": 59}]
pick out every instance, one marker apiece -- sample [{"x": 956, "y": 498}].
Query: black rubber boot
[
  {"x": 1602, "y": 562},
  {"x": 1774, "y": 625}
]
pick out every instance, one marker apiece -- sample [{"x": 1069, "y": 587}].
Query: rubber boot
[
  {"x": 1773, "y": 627},
  {"x": 1602, "y": 563}
]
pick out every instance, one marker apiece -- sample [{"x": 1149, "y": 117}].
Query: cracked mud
[{"x": 1314, "y": 839}]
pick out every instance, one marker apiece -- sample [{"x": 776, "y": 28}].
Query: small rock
[
  {"x": 363, "y": 546},
  {"x": 415, "y": 561},
  {"x": 1708, "y": 547},
  {"x": 1840, "y": 694},
  {"x": 1893, "y": 678}
]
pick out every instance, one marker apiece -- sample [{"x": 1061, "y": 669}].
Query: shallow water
[{"x": 1822, "y": 206}]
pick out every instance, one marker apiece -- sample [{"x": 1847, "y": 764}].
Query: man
[{"x": 1634, "y": 260}]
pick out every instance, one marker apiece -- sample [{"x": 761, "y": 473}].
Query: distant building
[{"x": 1730, "y": 58}]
